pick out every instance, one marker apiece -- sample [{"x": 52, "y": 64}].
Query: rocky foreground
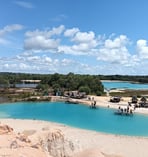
[
  {"x": 44, "y": 142},
  {"x": 32, "y": 138}
]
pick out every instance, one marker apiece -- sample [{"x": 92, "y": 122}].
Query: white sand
[{"x": 104, "y": 101}]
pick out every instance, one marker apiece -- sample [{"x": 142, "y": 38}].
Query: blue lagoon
[
  {"x": 81, "y": 116},
  {"x": 124, "y": 85}
]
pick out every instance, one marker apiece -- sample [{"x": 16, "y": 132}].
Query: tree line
[
  {"x": 90, "y": 84},
  {"x": 135, "y": 78}
]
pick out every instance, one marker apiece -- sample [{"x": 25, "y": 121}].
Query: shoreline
[
  {"x": 113, "y": 81},
  {"x": 101, "y": 101}
]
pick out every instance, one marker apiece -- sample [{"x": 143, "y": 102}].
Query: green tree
[{"x": 85, "y": 89}]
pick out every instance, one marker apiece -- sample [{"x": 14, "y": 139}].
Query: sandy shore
[
  {"x": 104, "y": 101},
  {"x": 83, "y": 140}
]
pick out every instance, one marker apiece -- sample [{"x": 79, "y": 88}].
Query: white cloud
[
  {"x": 115, "y": 51},
  {"x": 23, "y": 66},
  {"x": 24, "y": 4},
  {"x": 32, "y": 58},
  {"x": 142, "y": 49},
  {"x": 75, "y": 51},
  {"x": 10, "y": 28},
  {"x": 40, "y": 43},
  {"x": 48, "y": 59},
  {"x": 4, "y": 32},
  {"x": 118, "y": 42},
  {"x": 57, "y": 30},
  {"x": 83, "y": 47},
  {"x": 83, "y": 37},
  {"x": 83, "y": 43},
  {"x": 45, "y": 33},
  {"x": 66, "y": 62},
  {"x": 42, "y": 40},
  {"x": 71, "y": 32},
  {"x": 6, "y": 66}
]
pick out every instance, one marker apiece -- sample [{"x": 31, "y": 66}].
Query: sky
[{"x": 106, "y": 37}]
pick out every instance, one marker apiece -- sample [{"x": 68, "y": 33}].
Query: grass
[{"x": 130, "y": 93}]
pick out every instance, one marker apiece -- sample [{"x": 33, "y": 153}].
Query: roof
[{"x": 31, "y": 81}]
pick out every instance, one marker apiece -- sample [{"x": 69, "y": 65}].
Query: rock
[
  {"x": 14, "y": 144},
  {"x": 56, "y": 145},
  {"x": 23, "y": 138},
  {"x": 36, "y": 146},
  {"x": 4, "y": 129}
]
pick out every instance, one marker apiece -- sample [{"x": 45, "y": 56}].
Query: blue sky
[{"x": 85, "y": 36}]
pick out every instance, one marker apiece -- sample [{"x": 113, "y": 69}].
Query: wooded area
[{"x": 90, "y": 84}]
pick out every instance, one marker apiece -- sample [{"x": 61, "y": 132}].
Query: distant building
[
  {"x": 75, "y": 94},
  {"x": 30, "y": 81}
]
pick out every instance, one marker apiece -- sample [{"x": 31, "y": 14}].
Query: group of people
[
  {"x": 93, "y": 103},
  {"x": 126, "y": 110}
]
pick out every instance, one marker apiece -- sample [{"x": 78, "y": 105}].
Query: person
[
  {"x": 91, "y": 104},
  {"x": 94, "y": 104},
  {"x": 127, "y": 108},
  {"x": 131, "y": 111}
]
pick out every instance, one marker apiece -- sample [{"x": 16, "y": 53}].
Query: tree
[
  {"x": 85, "y": 89},
  {"x": 42, "y": 87}
]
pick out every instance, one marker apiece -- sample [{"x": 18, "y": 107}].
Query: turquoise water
[
  {"x": 81, "y": 116},
  {"x": 123, "y": 85}
]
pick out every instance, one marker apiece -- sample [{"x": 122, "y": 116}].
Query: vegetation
[
  {"x": 130, "y": 93},
  {"x": 140, "y": 79},
  {"x": 57, "y": 83}
]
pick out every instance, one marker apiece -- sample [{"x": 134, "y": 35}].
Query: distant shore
[{"x": 113, "y": 81}]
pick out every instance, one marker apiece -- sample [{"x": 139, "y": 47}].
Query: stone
[{"x": 4, "y": 129}]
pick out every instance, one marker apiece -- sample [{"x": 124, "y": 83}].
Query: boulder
[
  {"x": 56, "y": 144},
  {"x": 4, "y": 129}
]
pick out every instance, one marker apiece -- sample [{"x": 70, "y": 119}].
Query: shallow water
[
  {"x": 123, "y": 85},
  {"x": 81, "y": 116}
]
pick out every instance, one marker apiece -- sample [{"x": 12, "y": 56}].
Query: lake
[
  {"x": 78, "y": 115},
  {"x": 123, "y": 85}
]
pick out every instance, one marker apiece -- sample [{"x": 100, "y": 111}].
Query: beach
[
  {"x": 47, "y": 139},
  {"x": 104, "y": 101}
]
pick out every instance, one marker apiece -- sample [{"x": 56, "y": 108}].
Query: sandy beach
[
  {"x": 104, "y": 101},
  {"x": 46, "y": 139}
]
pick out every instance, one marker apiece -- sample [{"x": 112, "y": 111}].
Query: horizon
[
  {"x": 96, "y": 37},
  {"x": 72, "y": 73}
]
